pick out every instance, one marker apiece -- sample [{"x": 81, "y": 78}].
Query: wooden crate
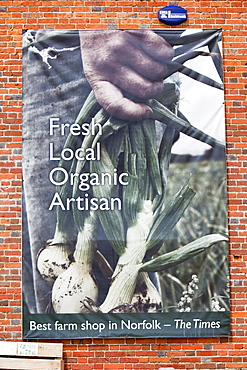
[{"x": 31, "y": 356}]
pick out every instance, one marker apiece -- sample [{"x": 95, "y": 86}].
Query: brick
[{"x": 124, "y": 353}]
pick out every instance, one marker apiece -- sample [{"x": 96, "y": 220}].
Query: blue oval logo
[{"x": 172, "y": 15}]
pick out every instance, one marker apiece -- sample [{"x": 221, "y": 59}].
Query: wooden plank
[
  {"x": 27, "y": 349},
  {"x": 8, "y": 348},
  {"x": 30, "y": 364},
  {"x": 50, "y": 350},
  {"x": 54, "y": 350}
]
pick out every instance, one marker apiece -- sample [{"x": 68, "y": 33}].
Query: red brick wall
[{"x": 210, "y": 353}]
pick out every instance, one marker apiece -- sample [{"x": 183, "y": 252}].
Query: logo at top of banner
[{"x": 172, "y": 15}]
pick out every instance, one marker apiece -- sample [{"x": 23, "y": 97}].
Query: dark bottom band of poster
[{"x": 177, "y": 324}]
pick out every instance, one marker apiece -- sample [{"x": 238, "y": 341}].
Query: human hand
[{"x": 117, "y": 62}]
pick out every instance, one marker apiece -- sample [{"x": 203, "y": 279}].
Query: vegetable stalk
[
  {"x": 56, "y": 256},
  {"x": 126, "y": 272}
]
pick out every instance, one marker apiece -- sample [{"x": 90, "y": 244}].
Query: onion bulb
[
  {"x": 77, "y": 283},
  {"x": 146, "y": 297},
  {"x": 54, "y": 258},
  {"x": 72, "y": 287}
]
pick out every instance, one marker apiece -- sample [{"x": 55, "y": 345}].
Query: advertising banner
[{"x": 124, "y": 184}]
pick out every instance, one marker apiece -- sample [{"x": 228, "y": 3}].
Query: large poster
[{"x": 124, "y": 184}]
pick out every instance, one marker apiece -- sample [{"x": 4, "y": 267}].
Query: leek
[{"x": 77, "y": 282}]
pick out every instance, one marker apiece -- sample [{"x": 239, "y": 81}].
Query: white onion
[
  {"x": 72, "y": 287},
  {"x": 53, "y": 260}
]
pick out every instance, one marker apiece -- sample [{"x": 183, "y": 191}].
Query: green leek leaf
[
  {"x": 182, "y": 254},
  {"x": 165, "y": 222},
  {"x": 163, "y": 114},
  {"x": 111, "y": 220}
]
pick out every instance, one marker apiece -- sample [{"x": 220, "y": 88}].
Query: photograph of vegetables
[{"x": 164, "y": 247}]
